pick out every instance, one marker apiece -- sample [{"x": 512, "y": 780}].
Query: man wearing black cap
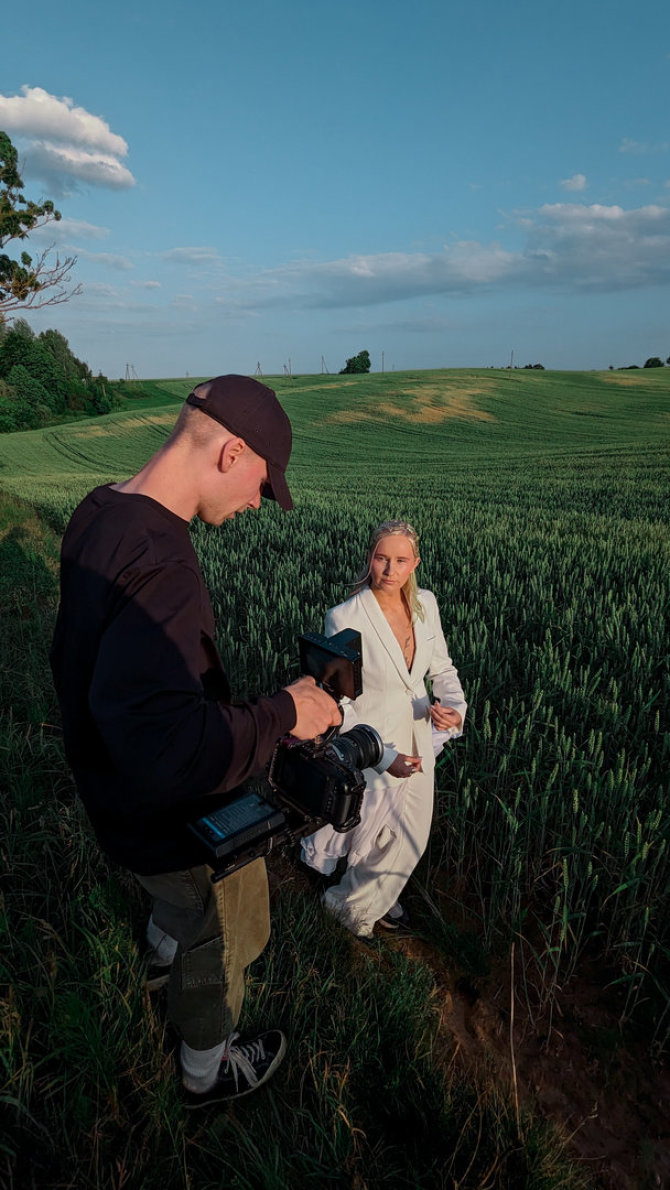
[{"x": 149, "y": 730}]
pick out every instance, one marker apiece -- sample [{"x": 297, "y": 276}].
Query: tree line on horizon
[
  {"x": 42, "y": 380},
  {"x": 654, "y": 361}
]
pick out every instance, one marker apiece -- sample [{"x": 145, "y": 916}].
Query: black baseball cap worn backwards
[{"x": 251, "y": 411}]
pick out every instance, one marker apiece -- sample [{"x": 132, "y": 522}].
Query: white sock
[
  {"x": 200, "y": 1067},
  {"x": 396, "y": 910},
  {"x": 163, "y": 944}
]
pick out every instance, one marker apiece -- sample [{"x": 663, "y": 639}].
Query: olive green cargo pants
[{"x": 220, "y": 928}]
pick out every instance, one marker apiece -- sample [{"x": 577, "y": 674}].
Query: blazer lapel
[
  {"x": 422, "y": 636},
  {"x": 385, "y": 635}
]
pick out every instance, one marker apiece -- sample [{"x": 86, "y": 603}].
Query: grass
[
  {"x": 541, "y": 499},
  {"x": 89, "y": 1095}
]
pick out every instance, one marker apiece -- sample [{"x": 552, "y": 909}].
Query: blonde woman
[{"x": 402, "y": 645}]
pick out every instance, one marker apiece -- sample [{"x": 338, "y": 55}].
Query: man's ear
[{"x": 231, "y": 450}]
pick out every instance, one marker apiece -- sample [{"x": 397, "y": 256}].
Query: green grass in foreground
[
  {"x": 542, "y": 504},
  {"x": 368, "y": 1095}
]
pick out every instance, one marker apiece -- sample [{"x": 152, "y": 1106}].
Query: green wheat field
[{"x": 541, "y": 500}]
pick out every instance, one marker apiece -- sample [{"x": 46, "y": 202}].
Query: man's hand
[
  {"x": 445, "y": 718},
  {"x": 315, "y": 710},
  {"x": 404, "y": 766}
]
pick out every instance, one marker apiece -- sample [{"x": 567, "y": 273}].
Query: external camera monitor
[{"x": 333, "y": 661}]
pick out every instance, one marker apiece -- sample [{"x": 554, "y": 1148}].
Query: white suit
[{"x": 383, "y": 850}]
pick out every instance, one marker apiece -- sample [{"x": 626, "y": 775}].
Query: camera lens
[{"x": 360, "y": 748}]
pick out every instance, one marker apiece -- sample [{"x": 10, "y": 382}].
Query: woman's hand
[
  {"x": 404, "y": 766},
  {"x": 445, "y": 718}
]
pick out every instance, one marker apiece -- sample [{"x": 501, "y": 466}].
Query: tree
[
  {"x": 30, "y": 399},
  {"x": 27, "y": 283},
  {"x": 24, "y": 350},
  {"x": 653, "y": 362},
  {"x": 41, "y": 379},
  {"x": 357, "y": 363}
]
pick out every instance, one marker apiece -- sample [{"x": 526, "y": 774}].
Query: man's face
[
  {"x": 250, "y": 479},
  {"x": 235, "y": 490}
]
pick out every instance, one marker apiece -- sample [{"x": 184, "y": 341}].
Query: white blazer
[{"x": 395, "y": 700}]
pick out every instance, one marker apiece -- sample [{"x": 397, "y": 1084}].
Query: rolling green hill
[{"x": 353, "y": 431}]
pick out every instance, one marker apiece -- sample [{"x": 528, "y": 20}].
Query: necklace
[{"x": 399, "y": 619}]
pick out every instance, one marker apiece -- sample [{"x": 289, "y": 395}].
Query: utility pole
[
  {"x": 258, "y": 369},
  {"x": 382, "y": 362},
  {"x": 324, "y": 367}
]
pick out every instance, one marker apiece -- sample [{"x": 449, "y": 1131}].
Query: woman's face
[{"x": 392, "y": 562}]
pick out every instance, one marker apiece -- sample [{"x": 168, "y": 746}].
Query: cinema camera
[{"x": 311, "y": 782}]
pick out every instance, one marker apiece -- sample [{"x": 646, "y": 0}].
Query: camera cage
[{"x": 252, "y": 825}]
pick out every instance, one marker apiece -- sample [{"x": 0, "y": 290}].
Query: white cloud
[
  {"x": 103, "y": 298},
  {"x": 636, "y": 146},
  {"x": 37, "y": 114},
  {"x": 599, "y": 247},
  {"x": 61, "y": 142},
  {"x": 191, "y": 255},
  {"x": 146, "y": 284},
  {"x": 368, "y": 280},
  {"x": 110, "y": 259},
  {"x": 56, "y": 163},
  {"x": 570, "y": 246},
  {"x": 576, "y": 182},
  {"x": 101, "y": 291},
  {"x": 67, "y": 230}
]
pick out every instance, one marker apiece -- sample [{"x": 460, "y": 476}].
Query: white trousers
[{"x": 382, "y": 851}]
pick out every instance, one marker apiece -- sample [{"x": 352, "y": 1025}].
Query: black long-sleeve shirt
[{"x": 149, "y": 729}]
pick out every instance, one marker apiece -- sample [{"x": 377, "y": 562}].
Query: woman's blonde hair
[{"x": 411, "y": 588}]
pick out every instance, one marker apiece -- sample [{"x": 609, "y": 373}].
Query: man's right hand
[{"x": 315, "y": 710}]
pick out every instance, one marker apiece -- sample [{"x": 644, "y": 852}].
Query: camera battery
[{"x": 239, "y": 823}]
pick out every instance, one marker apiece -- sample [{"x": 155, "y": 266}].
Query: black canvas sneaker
[
  {"x": 395, "y": 925},
  {"x": 245, "y": 1066}
]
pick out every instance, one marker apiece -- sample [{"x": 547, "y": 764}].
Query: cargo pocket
[{"x": 203, "y": 965}]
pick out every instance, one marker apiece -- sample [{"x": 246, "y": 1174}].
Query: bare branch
[
  {"x": 25, "y": 285},
  {"x": 44, "y": 284}
]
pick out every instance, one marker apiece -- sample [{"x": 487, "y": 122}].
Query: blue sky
[{"x": 439, "y": 183}]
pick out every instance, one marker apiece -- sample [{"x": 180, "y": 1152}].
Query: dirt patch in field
[
  {"x": 429, "y": 404},
  {"x": 624, "y": 381},
  {"x": 605, "y": 1093},
  {"x": 333, "y": 384},
  {"x": 160, "y": 419},
  {"x": 130, "y": 424},
  {"x": 607, "y": 1097}
]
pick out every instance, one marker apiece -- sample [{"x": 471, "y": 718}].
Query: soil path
[
  {"x": 607, "y": 1096},
  {"x": 603, "y": 1091}
]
